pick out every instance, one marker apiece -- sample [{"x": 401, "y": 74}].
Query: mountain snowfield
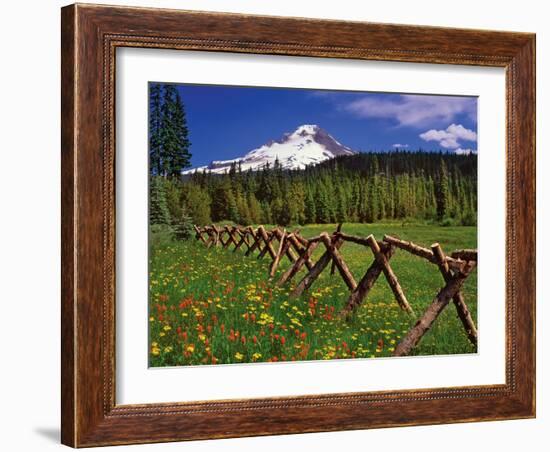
[{"x": 309, "y": 144}]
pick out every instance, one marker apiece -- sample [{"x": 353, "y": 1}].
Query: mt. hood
[{"x": 307, "y": 145}]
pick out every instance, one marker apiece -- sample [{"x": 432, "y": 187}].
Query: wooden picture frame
[{"x": 90, "y": 35}]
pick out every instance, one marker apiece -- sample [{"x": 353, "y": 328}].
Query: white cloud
[
  {"x": 399, "y": 145},
  {"x": 461, "y": 151},
  {"x": 450, "y": 138},
  {"x": 413, "y": 110}
]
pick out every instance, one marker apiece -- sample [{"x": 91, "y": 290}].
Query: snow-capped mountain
[{"x": 307, "y": 145}]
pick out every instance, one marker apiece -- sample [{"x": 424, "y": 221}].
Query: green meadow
[{"x": 217, "y": 306}]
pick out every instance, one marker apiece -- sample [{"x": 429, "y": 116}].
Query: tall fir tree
[
  {"x": 310, "y": 211},
  {"x": 442, "y": 191},
  {"x": 155, "y": 142},
  {"x": 182, "y": 157},
  {"x": 175, "y": 155},
  {"x": 159, "y": 213}
]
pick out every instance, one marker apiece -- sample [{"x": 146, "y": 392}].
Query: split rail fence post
[
  {"x": 317, "y": 269},
  {"x": 300, "y": 262},
  {"x": 439, "y": 303},
  {"x": 458, "y": 299},
  {"x": 366, "y": 283},
  {"x": 390, "y": 275}
]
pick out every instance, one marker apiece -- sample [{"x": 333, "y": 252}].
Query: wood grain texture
[{"x": 90, "y": 36}]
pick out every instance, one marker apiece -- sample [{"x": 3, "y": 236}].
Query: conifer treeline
[
  {"x": 365, "y": 187},
  {"x": 168, "y": 134}
]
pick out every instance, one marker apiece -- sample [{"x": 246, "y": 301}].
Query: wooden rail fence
[{"x": 279, "y": 244}]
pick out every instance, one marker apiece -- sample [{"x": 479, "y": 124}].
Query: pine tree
[
  {"x": 322, "y": 207},
  {"x": 155, "y": 147},
  {"x": 173, "y": 195},
  {"x": 442, "y": 191},
  {"x": 310, "y": 212},
  {"x": 198, "y": 203},
  {"x": 340, "y": 213},
  {"x": 158, "y": 206},
  {"x": 266, "y": 188},
  {"x": 175, "y": 155},
  {"x": 255, "y": 209},
  {"x": 224, "y": 204},
  {"x": 182, "y": 157},
  {"x": 243, "y": 210}
]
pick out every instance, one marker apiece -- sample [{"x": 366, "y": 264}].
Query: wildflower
[
  {"x": 239, "y": 356},
  {"x": 283, "y": 340},
  {"x": 167, "y": 328},
  {"x": 256, "y": 356},
  {"x": 190, "y": 348}
]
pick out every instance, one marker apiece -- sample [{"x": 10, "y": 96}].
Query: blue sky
[{"x": 226, "y": 122}]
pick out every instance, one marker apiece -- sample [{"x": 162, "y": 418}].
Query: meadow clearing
[{"x": 216, "y": 306}]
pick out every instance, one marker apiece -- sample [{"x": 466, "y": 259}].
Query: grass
[{"x": 216, "y": 306}]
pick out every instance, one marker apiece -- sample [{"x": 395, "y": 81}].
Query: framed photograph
[{"x": 281, "y": 225}]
